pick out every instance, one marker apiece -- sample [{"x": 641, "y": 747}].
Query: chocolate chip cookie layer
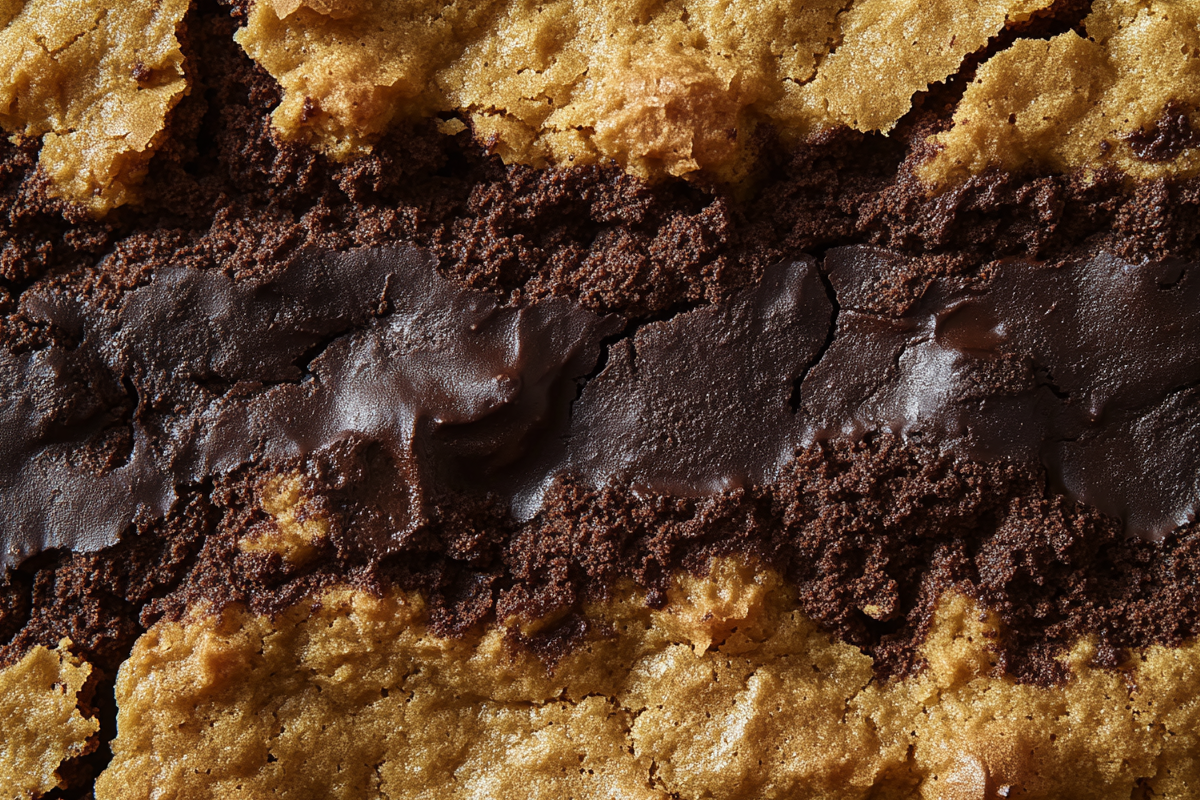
[{"x": 499, "y": 399}]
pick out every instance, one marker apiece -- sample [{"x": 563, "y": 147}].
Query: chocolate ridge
[
  {"x": 1071, "y": 364},
  {"x": 873, "y": 522}
]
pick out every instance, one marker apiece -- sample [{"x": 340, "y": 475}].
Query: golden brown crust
[
  {"x": 95, "y": 80},
  {"x": 40, "y": 723},
  {"x": 890, "y": 50},
  {"x": 727, "y": 692},
  {"x": 1077, "y": 102},
  {"x": 660, "y": 88}
]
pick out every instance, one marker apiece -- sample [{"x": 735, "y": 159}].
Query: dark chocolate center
[{"x": 1084, "y": 365}]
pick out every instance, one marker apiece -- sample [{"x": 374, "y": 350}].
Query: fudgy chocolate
[
  {"x": 871, "y": 491},
  {"x": 225, "y": 374}
]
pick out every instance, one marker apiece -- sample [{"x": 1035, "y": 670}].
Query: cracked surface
[
  {"x": 95, "y": 81},
  {"x": 483, "y": 400},
  {"x": 662, "y": 88},
  {"x": 40, "y": 721},
  {"x": 886, "y": 52},
  {"x": 727, "y": 692},
  {"x": 870, "y": 533},
  {"x": 1123, "y": 96}
]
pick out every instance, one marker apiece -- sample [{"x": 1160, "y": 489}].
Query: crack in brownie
[{"x": 665, "y": 400}]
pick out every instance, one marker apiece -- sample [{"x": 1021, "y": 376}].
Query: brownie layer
[
  {"x": 226, "y": 195},
  {"x": 871, "y": 529}
]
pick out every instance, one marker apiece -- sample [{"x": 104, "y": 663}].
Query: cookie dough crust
[
  {"x": 892, "y": 49},
  {"x": 40, "y": 722},
  {"x": 1076, "y": 102},
  {"x": 95, "y": 80},
  {"x": 662, "y": 88},
  {"x": 727, "y": 692},
  {"x": 666, "y": 88}
]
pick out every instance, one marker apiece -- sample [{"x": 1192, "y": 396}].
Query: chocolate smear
[
  {"x": 1085, "y": 365},
  {"x": 370, "y": 343}
]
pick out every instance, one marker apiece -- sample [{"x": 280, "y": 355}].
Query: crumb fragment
[
  {"x": 40, "y": 723},
  {"x": 95, "y": 80},
  {"x": 297, "y": 529}
]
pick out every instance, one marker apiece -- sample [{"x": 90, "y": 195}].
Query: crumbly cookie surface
[
  {"x": 727, "y": 692},
  {"x": 668, "y": 88},
  {"x": 95, "y": 80},
  {"x": 1124, "y": 96},
  {"x": 661, "y": 88},
  {"x": 40, "y": 722}
]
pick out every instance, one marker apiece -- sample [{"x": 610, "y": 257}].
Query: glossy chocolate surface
[{"x": 1082, "y": 365}]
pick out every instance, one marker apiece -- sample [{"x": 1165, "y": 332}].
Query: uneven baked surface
[
  {"x": 95, "y": 81},
  {"x": 661, "y": 88},
  {"x": 870, "y": 532},
  {"x": 40, "y": 721},
  {"x": 1122, "y": 94},
  {"x": 727, "y": 692}
]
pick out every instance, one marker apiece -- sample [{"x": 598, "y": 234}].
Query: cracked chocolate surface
[
  {"x": 1071, "y": 364},
  {"x": 870, "y": 524},
  {"x": 226, "y": 374}
]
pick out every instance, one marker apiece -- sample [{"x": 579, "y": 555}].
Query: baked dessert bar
[{"x": 656, "y": 399}]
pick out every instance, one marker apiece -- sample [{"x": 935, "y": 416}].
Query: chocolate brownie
[{"x": 658, "y": 399}]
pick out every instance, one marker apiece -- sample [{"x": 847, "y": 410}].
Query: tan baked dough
[
  {"x": 660, "y": 87},
  {"x": 40, "y": 723},
  {"x": 296, "y": 529},
  {"x": 977, "y": 736},
  {"x": 95, "y": 80},
  {"x": 729, "y": 692},
  {"x": 892, "y": 49},
  {"x": 1071, "y": 102}
]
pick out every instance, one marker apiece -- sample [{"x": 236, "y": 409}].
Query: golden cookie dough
[
  {"x": 661, "y": 88},
  {"x": 1072, "y": 102},
  {"x": 95, "y": 80},
  {"x": 296, "y": 528},
  {"x": 892, "y": 49},
  {"x": 729, "y": 692},
  {"x": 40, "y": 723}
]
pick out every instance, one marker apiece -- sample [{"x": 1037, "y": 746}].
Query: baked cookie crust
[{"x": 769, "y": 421}]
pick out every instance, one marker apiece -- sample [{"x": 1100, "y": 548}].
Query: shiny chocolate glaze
[{"x": 1083, "y": 365}]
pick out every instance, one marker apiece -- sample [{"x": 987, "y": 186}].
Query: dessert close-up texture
[{"x": 643, "y": 399}]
